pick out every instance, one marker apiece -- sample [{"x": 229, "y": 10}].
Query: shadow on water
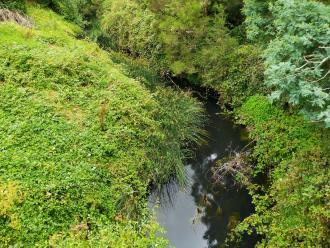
[{"x": 201, "y": 214}]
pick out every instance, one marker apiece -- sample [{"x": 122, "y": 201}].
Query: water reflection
[{"x": 201, "y": 214}]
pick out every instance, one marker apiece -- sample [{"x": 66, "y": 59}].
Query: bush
[
  {"x": 295, "y": 34},
  {"x": 13, "y": 5},
  {"x": 236, "y": 75},
  {"x": 131, "y": 27},
  {"x": 291, "y": 209},
  {"x": 174, "y": 35},
  {"x": 81, "y": 12}
]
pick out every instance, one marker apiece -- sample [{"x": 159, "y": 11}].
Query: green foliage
[
  {"x": 13, "y": 5},
  {"x": 297, "y": 56},
  {"x": 173, "y": 34},
  {"x": 292, "y": 210},
  {"x": 81, "y": 12},
  {"x": 236, "y": 75},
  {"x": 186, "y": 31},
  {"x": 119, "y": 236},
  {"x": 83, "y": 132},
  {"x": 80, "y": 141},
  {"x": 173, "y": 103},
  {"x": 288, "y": 134},
  {"x": 258, "y": 21},
  {"x": 130, "y": 26},
  {"x": 139, "y": 68},
  {"x": 188, "y": 39}
]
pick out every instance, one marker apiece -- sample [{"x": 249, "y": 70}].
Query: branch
[
  {"x": 320, "y": 78},
  {"x": 323, "y": 61}
]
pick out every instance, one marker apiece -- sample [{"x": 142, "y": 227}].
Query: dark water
[{"x": 202, "y": 213}]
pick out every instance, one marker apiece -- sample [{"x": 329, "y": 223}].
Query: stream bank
[{"x": 201, "y": 214}]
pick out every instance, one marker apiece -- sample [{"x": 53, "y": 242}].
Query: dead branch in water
[
  {"x": 7, "y": 15},
  {"x": 236, "y": 165}
]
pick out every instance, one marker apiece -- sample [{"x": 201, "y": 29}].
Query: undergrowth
[
  {"x": 291, "y": 209},
  {"x": 80, "y": 141}
]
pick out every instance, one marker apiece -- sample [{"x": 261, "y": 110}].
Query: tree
[{"x": 297, "y": 54}]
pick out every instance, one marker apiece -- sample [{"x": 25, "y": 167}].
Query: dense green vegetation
[
  {"x": 18, "y": 5},
  {"x": 297, "y": 56},
  {"x": 292, "y": 210},
  {"x": 80, "y": 141},
  {"x": 187, "y": 39},
  {"x": 192, "y": 40},
  {"x": 84, "y": 132},
  {"x": 84, "y": 13}
]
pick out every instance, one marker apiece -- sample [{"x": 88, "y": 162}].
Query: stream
[{"x": 201, "y": 214}]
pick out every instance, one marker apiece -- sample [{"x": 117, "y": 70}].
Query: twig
[
  {"x": 320, "y": 79},
  {"x": 172, "y": 81}
]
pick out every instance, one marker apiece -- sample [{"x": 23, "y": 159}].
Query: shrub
[
  {"x": 80, "y": 12},
  {"x": 13, "y": 5},
  {"x": 291, "y": 209},
  {"x": 236, "y": 75}
]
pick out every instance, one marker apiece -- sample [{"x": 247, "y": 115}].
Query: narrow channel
[{"x": 201, "y": 214}]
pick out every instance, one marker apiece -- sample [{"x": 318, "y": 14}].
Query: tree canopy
[{"x": 297, "y": 55}]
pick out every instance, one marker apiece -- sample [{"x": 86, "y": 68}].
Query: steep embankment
[{"x": 80, "y": 141}]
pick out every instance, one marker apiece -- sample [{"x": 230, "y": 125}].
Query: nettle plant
[{"x": 297, "y": 57}]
